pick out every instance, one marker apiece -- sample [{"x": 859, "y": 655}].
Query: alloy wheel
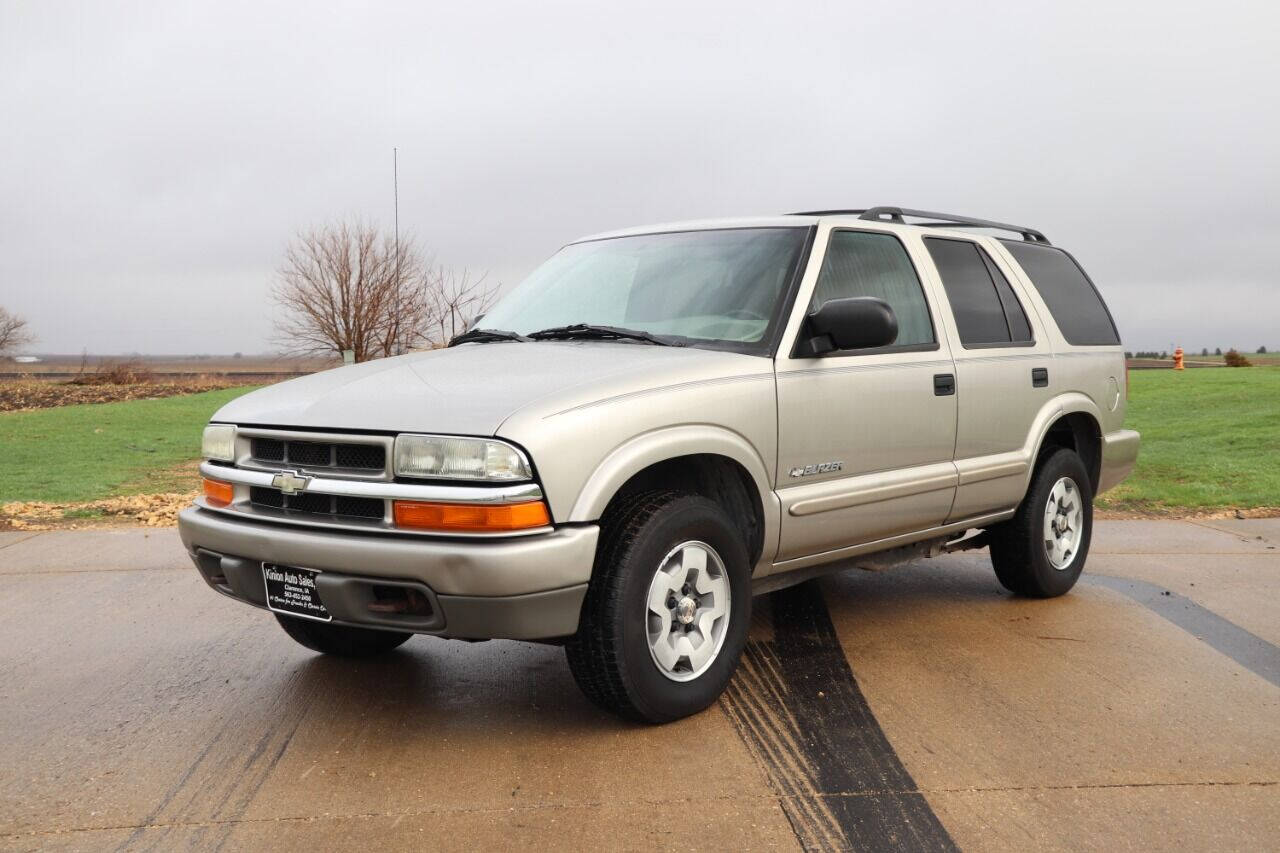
[{"x": 687, "y": 611}]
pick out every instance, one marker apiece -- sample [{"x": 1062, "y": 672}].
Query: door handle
[
  {"x": 1039, "y": 377},
  {"x": 944, "y": 384}
]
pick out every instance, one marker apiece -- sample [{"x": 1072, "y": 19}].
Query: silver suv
[{"x": 662, "y": 422}]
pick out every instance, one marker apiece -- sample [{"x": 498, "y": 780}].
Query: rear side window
[
  {"x": 1019, "y": 328},
  {"x": 986, "y": 310},
  {"x": 1072, "y": 299},
  {"x": 859, "y": 263}
]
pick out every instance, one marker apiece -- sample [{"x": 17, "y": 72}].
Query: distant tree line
[
  {"x": 1204, "y": 351},
  {"x": 1232, "y": 358}
]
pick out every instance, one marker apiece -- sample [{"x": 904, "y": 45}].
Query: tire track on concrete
[
  {"x": 798, "y": 708},
  {"x": 222, "y": 780}
]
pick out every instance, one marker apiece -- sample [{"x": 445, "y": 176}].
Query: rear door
[
  {"x": 865, "y": 437},
  {"x": 1003, "y": 374}
]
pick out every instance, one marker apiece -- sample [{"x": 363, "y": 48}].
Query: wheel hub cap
[
  {"x": 687, "y": 611},
  {"x": 1063, "y": 523}
]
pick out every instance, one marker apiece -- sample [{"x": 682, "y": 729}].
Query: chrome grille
[
  {"x": 338, "y": 506},
  {"x": 319, "y": 454}
]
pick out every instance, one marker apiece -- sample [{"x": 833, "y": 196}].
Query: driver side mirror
[{"x": 855, "y": 322}]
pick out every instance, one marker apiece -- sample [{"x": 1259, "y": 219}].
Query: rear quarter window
[{"x": 1075, "y": 303}]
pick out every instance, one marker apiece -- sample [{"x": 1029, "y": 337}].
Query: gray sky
[{"x": 155, "y": 158}]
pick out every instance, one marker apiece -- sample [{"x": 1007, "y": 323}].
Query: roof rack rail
[{"x": 942, "y": 220}]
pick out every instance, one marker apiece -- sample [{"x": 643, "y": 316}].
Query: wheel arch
[
  {"x": 705, "y": 460},
  {"x": 1076, "y": 424}
]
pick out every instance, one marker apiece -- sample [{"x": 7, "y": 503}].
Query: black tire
[
  {"x": 1018, "y": 550},
  {"x": 610, "y": 655},
  {"x": 342, "y": 640}
]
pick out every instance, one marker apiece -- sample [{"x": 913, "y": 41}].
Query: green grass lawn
[
  {"x": 1210, "y": 438},
  {"x": 86, "y": 452}
]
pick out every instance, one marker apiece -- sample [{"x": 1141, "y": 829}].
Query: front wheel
[
  {"x": 1041, "y": 550},
  {"x": 667, "y": 611}
]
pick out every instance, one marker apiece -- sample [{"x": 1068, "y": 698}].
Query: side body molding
[{"x": 648, "y": 448}]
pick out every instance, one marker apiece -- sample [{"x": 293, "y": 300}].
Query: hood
[{"x": 471, "y": 389}]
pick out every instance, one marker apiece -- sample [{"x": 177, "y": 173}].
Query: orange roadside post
[{"x": 1177, "y": 359}]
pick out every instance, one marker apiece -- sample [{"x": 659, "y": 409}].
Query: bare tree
[
  {"x": 348, "y": 287},
  {"x": 13, "y": 332},
  {"x": 454, "y": 300}
]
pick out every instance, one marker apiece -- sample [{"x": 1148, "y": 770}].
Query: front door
[{"x": 865, "y": 437}]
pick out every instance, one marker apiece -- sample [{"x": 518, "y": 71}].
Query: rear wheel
[
  {"x": 341, "y": 640},
  {"x": 1041, "y": 550},
  {"x": 667, "y": 610}
]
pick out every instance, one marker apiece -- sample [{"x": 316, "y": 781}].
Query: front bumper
[{"x": 522, "y": 588}]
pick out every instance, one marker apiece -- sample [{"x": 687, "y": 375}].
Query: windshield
[{"x": 720, "y": 289}]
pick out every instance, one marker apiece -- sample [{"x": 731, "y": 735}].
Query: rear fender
[{"x": 1058, "y": 407}]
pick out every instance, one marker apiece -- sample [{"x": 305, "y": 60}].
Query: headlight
[
  {"x": 219, "y": 443},
  {"x": 443, "y": 457}
]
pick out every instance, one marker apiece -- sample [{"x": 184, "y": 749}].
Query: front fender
[{"x": 641, "y": 451}]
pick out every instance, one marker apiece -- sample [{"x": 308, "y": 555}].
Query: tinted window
[
  {"x": 1019, "y": 328},
  {"x": 859, "y": 263},
  {"x": 1071, "y": 297},
  {"x": 977, "y": 306}
]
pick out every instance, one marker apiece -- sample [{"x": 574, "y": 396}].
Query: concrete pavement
[{"x": 917, "y": 707}]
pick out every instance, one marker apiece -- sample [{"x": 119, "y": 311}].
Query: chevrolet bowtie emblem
[{"x": 290, "y": 483}]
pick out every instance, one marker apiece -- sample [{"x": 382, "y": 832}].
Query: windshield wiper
[
  {"x": 590, "y": 332},
  {"x": 485, "y": 336}
]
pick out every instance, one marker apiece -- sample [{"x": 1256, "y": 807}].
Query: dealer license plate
[{"x": 292, "y": 591}]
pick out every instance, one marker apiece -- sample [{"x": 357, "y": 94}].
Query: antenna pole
[
  {"x": 395, "y": 185},
  {"x": 395, "y": 189}
]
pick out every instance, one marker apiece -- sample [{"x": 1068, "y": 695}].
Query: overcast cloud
[{"x": 155, "y": 158}]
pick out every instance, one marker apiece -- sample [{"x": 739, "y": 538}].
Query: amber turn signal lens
[
  {"x": 218, "y": 493},
  {"x": 471, "y": 518}
]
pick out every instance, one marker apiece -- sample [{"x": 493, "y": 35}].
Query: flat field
[
  {"x": 24, "y": 394},
  {"x": 1210, "y": 440},
  {"x": 166, "y": 367},
  {"x": 1194, "y": 359}
]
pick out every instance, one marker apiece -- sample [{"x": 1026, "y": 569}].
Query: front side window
[
  {"x": 717, "y": 288},
  {"x": 987, "y": 312},
  {"x": 861, "y": 263}
]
